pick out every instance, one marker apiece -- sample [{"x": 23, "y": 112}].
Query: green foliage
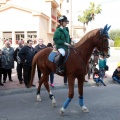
[
  {"x": 93, "y": 9},
  {"x": 89, "y": 14},
  {"x": 86, "y": 17},
  {"x": 115, "y": 35},
  {"x": 117, "y": 42}
]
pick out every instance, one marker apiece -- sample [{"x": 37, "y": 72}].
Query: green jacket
[{"x": 60, "y": 37}]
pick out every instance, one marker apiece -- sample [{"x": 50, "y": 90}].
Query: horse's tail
[{"x": 33, "y": 70}]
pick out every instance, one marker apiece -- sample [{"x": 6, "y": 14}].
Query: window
[
  {"x": 22, "y": 35},
  {"x": 67, "y": 11},
  {"x": 67, "y": 1},
  {"x": 17, "y": 37}
]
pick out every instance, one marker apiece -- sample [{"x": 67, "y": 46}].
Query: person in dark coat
[
  {"x": 2, "y": 65},
  {"x": 19, "y": 61},
  {"x": 38, "y": 48},
  {"x": 116, "y": 74},
  {"x": 8, "y": 51},
  {"x": 26, "y": 54}
]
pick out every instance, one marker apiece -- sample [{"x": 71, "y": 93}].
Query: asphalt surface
[{"x": 103, "y": 104}]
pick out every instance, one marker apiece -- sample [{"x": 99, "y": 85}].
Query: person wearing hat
[
  {"x": 62, "y": 40},
  {"x": 116, "y": 74}
]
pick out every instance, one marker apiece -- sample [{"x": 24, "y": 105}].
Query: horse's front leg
[
  {"x": 80, "y": 91},
  {"x": 70, "y": 94}
]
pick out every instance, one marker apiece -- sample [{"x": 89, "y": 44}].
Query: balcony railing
[
  {"x": 52, "y": 29},
  {"x": 53, "y": 17}
]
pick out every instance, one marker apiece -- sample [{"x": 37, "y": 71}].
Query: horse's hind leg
[
  {"x": 80, "y": 90},
  {"x": 70, "y": 94},
  {"x": 39, "y": 87},
  {"x": 46, "y": 84}
]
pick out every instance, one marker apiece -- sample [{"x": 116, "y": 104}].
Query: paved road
[{"x": 102, "y": 102}]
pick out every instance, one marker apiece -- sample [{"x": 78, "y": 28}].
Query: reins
[{"x": 75, "y": 51}]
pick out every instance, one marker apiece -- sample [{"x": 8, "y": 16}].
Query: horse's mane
[{"x": 86, "y": 37}]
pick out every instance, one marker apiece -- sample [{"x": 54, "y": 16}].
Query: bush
[
  {"x": 115, "y": 35},
  {"x": 117, "y": 42}
]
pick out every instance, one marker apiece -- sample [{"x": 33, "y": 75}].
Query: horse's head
[{"x": 102, "y": 41}]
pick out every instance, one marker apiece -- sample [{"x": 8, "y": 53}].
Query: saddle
[{"x": 55, "y": 55}]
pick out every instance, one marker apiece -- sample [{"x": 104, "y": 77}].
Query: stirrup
[{"x": 60, "y": 70}]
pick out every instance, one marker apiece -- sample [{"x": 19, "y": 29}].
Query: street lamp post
[{"x": 71, "y": 22}]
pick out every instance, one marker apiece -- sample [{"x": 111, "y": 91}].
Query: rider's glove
[{"x": 67, "y": 44}]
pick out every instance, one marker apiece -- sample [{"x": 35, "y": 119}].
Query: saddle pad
[{"x": 52, "y": 56}]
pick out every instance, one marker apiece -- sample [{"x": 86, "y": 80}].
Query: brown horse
[{"x": 76, "y": 65}]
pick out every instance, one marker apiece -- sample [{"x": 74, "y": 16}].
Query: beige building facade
[
  {"x": 28, "y": 19},
  {"x": 76, "y": 30}
]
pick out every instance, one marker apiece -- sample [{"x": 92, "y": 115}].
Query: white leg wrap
[
  {"x": 38, "y": 98},
  {"x": 84, "y": 109},
  {"x": 50, "y": 92},
  {"x": 54, "y": 101},
  {"x": 62, "y": 111}
]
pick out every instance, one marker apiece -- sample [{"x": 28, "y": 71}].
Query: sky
[{"x": 110, "y": 12}]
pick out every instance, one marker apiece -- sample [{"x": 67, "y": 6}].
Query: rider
[{"x": 62, "y": 40}]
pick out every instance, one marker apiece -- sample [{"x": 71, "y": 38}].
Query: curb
[{"x": 34, "y": 89}]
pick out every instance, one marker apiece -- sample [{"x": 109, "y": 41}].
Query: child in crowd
[
  {"x": 116, "y": 74},
  {"x": 102, "y": 65},
  {"x": 97, "y": 78}
]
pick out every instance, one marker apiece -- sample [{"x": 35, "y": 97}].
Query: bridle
[{"x": 104, "y": 40}]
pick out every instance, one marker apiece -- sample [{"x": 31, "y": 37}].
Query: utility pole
[{"x": 71, "y": 21}]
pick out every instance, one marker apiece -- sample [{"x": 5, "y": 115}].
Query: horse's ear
[
  {"x": 105, "y": 28},
  {"x": 108, "y": 27}
]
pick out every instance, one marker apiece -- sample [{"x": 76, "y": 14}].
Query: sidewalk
[{"x": 15, "y": 87}]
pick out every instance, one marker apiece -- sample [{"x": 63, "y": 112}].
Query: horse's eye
[{"x": 105, "y": 39}]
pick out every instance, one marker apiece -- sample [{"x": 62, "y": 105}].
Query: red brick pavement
[{"x": 58, "y": 81}]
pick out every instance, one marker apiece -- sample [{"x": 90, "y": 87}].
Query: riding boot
[{"x": 60, "y": 62}]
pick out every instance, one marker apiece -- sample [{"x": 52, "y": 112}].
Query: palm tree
[
  {"x": 86, "y": 18},
  {"x": 93, "y": 10},
  {"x": 89, "y": 14}
]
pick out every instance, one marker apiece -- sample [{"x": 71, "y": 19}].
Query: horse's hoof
[
  {"x": 84, "y": 109},
  {"x": 62, "y": 111},
  {"x": 38, "y": 98},
  {"x": 54, "y": 104}
]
